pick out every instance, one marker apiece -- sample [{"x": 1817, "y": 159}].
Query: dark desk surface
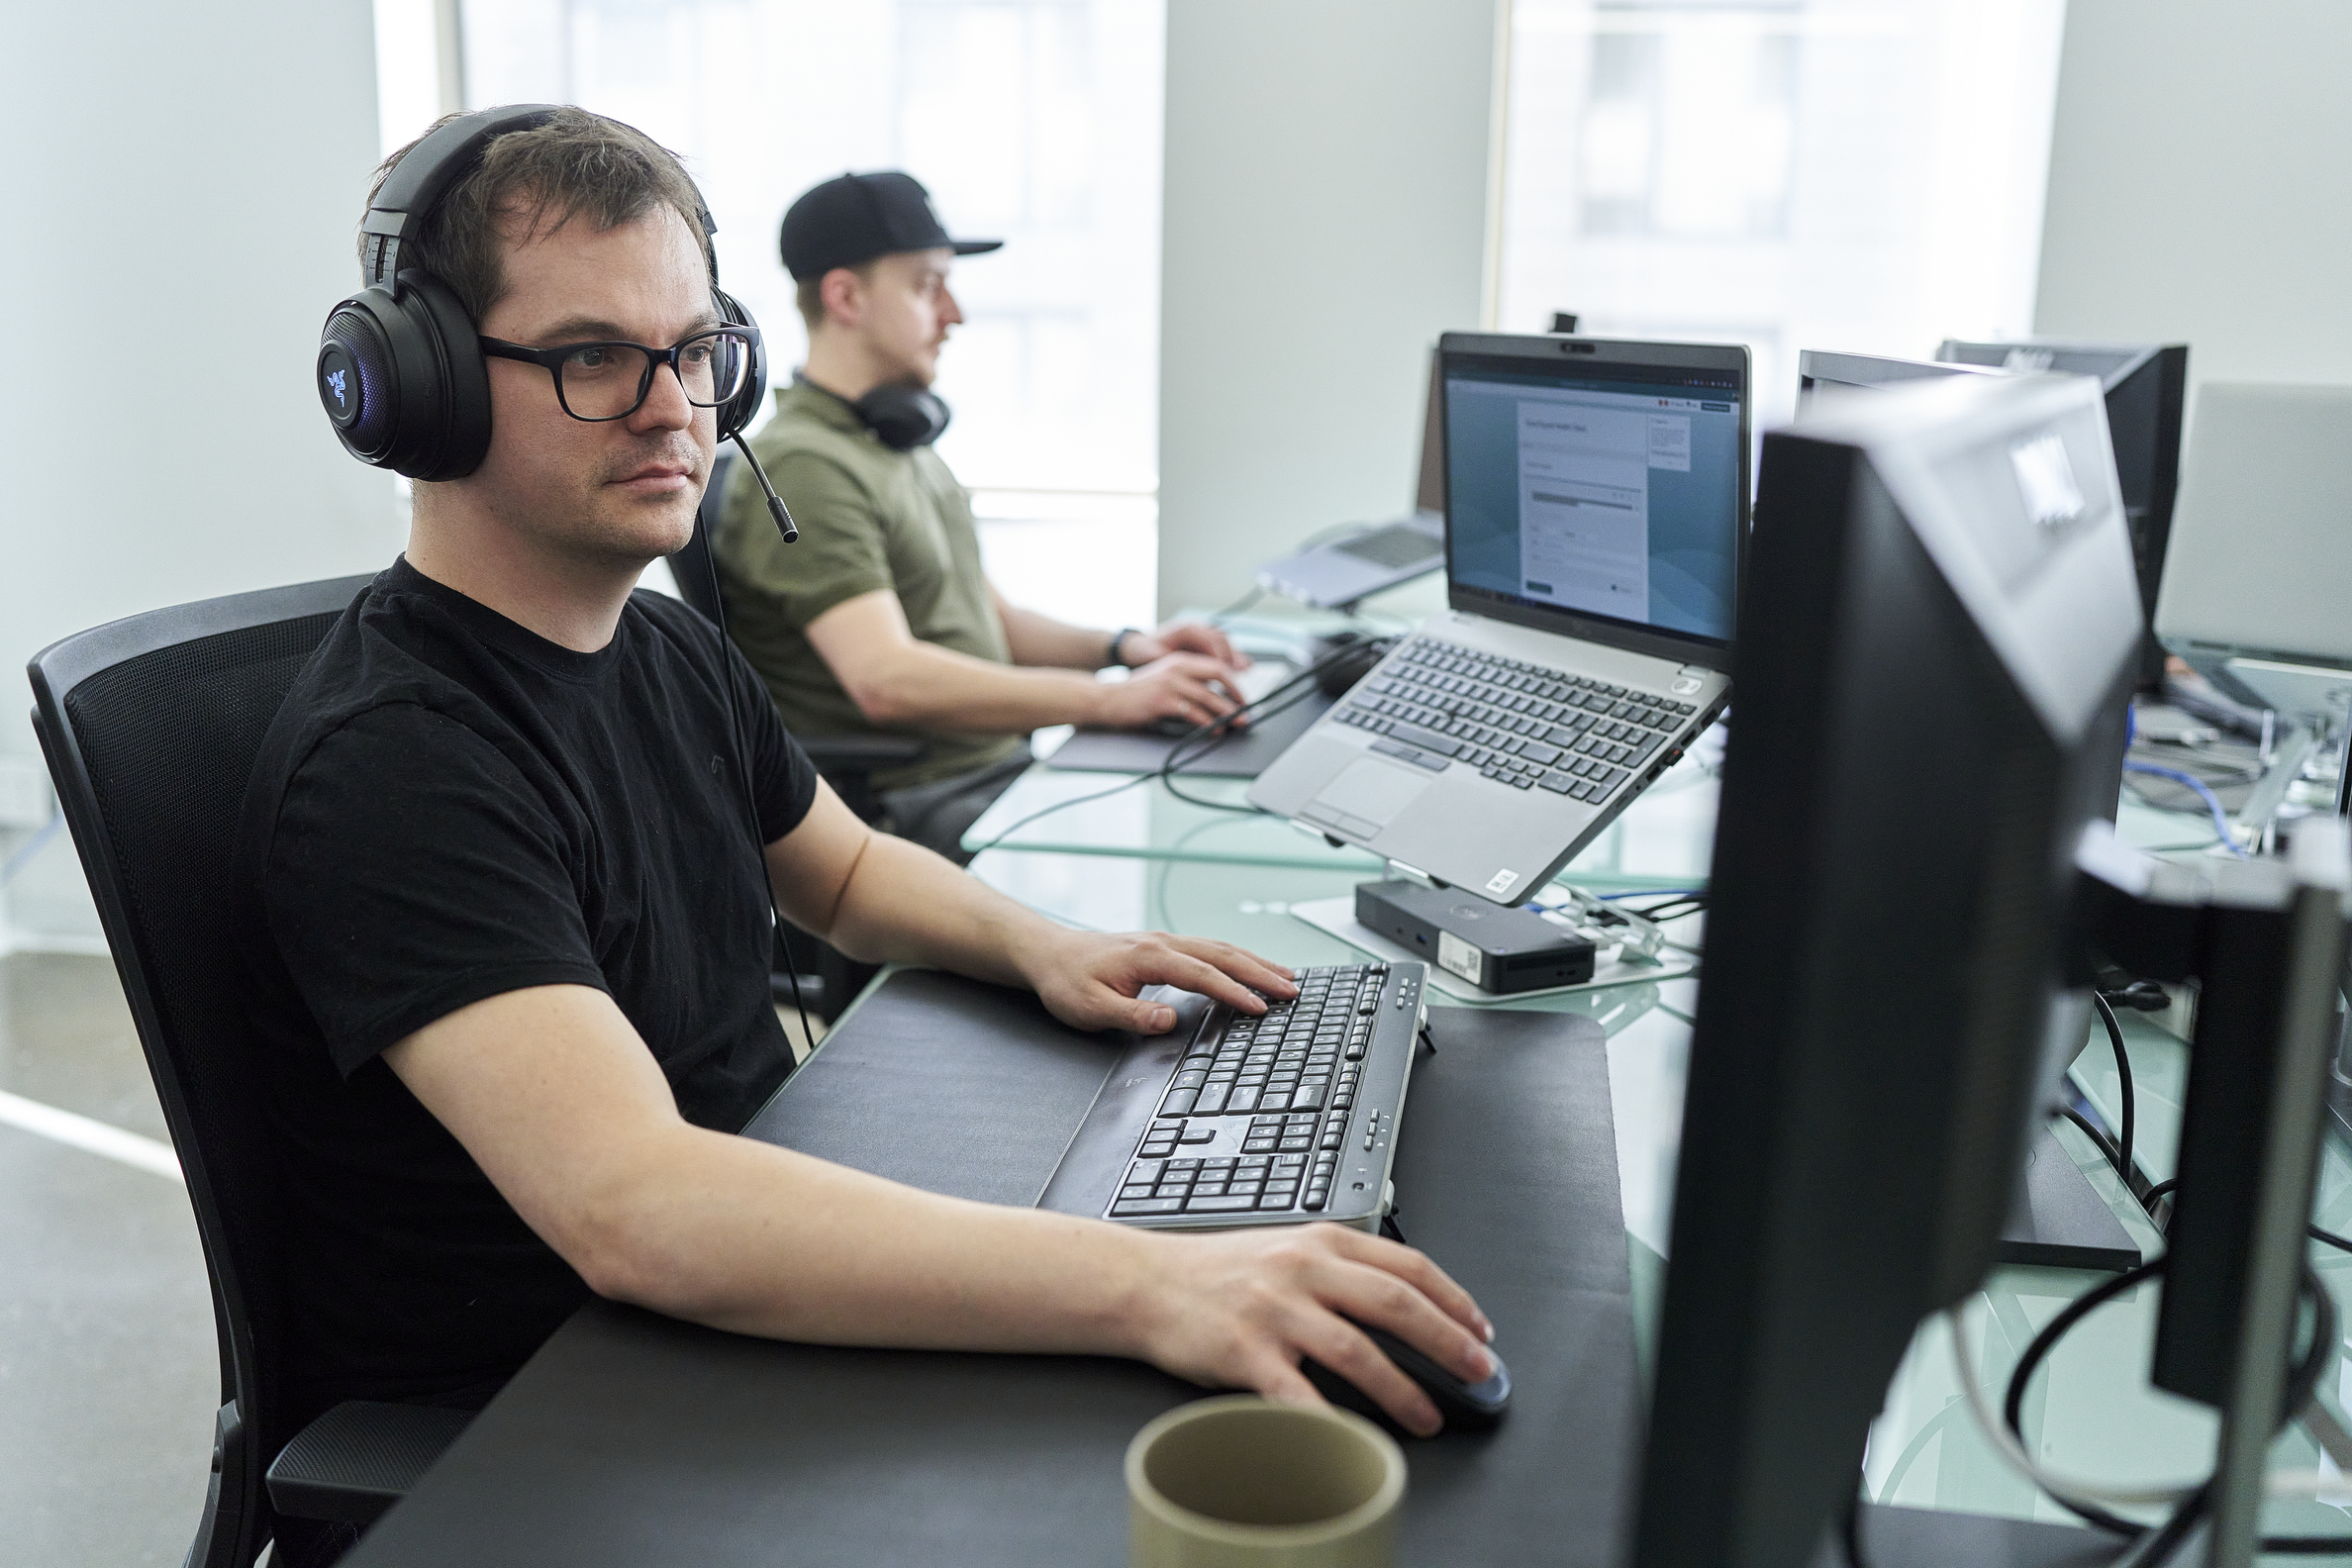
[{"x": 632, "y": 1439}]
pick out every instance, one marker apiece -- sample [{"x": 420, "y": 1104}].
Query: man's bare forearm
[
  {"x": 1038, "y": 638},
  {"x": 757, "y": 1239},
  {"x": 925, "y": 686},
  {"x": 903, "y": 904}
]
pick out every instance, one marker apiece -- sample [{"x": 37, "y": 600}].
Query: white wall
[
  {"x": 2198, "y": 175},
  {"x": 1325, "y": 219},
  {"x": 177, "y": 215}
]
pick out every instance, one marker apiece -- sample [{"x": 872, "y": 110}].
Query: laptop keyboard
[{"x": 1519, "y": 724}]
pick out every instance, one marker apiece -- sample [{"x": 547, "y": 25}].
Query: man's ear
[{"x": 844, "y": 295}]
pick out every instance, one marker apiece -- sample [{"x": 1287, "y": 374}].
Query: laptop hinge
[{"x": 1411, "y": 873}]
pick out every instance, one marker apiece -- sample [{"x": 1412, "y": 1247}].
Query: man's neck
[
  {"x": 572, "y": 602},
  {"x": 841, "y": 365}
]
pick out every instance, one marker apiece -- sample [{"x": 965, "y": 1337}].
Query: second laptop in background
[{"x": 1595, "y": 500}]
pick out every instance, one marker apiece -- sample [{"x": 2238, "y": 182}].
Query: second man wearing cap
[{"x": 881, "y": 620}]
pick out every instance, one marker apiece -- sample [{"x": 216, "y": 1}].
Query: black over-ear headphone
[
  {"x": 904, "y": 417},
  {"x": 400, "y": 371}
]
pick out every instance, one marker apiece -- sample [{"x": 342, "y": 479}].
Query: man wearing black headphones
[
  {"x": 507, "y": 860},
  {"x": 881, "y": 619}
]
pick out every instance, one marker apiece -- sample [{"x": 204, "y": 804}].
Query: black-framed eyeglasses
[{"x": 599, "y": 381}]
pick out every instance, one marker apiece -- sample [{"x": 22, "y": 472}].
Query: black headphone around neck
[
  {"x": 904, "y": 417},
  {"x": 400, "y": 371}
]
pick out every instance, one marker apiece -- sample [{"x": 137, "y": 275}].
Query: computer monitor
[
  {"x": 2146, "y": 386},
  {"x": 1937, "y": 633},
  {"x": 1818, "y": 369}
]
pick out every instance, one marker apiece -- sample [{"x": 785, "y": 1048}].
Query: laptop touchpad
[{"x": 1369, "y": 792}]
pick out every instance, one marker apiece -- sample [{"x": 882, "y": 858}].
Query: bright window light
[
  {"x": 1863, "y": 175},
  {"x": 1037, "y": 122}
]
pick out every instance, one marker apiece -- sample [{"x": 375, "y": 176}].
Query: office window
[
  {"x": 1851, "y": 174},
  {"x": 1032, "y": 121}
]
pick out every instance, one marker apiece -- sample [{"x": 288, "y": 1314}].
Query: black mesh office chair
[
  {"x": 831, "y": 979},
  {"x": 150, "y": 726}
]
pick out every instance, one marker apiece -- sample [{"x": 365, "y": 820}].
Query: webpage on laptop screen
[{"x": 1608, "y": 498}]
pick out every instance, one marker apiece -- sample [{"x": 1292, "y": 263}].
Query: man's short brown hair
[
  {"x": 575, "y": 164},
  {"x": 809, "y": 293}
]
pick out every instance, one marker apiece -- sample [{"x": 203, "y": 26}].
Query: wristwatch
[{"x": 1112, "y": 652}]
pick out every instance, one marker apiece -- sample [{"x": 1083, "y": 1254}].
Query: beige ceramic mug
[{"x": 1242, "y": 1482}]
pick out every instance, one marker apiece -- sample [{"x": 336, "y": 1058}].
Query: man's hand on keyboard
[
  {"x": 1090, "y": 980},
  {"x": 1240, "y": 1309}
]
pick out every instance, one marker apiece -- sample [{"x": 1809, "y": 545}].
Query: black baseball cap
[{"x": 858, "y": 216}]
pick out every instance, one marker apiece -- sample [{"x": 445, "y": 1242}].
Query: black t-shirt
[{"x": 450, "y": 807}]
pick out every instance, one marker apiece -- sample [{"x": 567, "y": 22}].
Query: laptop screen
[{"x": 1602, "y": 491}]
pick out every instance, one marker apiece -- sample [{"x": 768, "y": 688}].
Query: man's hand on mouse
[
  {"x": 1240, "y": 1309},
  {"x": 1194, "y": 688}
]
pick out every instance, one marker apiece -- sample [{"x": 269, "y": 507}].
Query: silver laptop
[{"x": 1596, "y": 503}]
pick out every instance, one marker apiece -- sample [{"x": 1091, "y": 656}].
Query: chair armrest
[
  {"x": 359, "y": 1458},
  {"x": 862, "y": 753}
]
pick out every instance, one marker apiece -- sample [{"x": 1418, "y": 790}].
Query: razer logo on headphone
[{"x": 334, "y": 385}]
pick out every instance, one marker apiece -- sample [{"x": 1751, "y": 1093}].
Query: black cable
[
  {"x": 1189, "y": 748},
  {"x": 2165, "y": 1188},
  {"x": 2340, "y": 1244},
  {"x": 2106, "y": 1016},
  {"x": 1850, "y": 1531},
  {"x": 2303, "y": 1377},
  {"x": 2099, "y": 1139},
  {"x": 2173, "y": 1534}
]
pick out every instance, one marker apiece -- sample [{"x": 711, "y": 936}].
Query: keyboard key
[
  {"x": 1536, "y": 752},
  {"x": 1213, "y": 1099},
  {"x": 1197, "y": 1134},
  {"x": 1558, "y": 783},
  {"x": 1179, "y": 1102},
  {"x": 1130, "y": 1208},
  {"x": 1274, "y": 1200},
  {"x": 1276, "y": 1100},
  {"x": 1428, "y": 740},
  {"x": 1245, "y": 1097},
  {"x": 1136, "y": 1190},
  {"x": 1220, "y": 1204},
  {"x": 1309, "y": 1098}
]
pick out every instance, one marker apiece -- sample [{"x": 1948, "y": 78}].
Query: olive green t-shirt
[{"x": 869, "y": 518}]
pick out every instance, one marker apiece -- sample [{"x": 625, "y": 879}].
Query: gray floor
[{"x": 108, "y": 1369}]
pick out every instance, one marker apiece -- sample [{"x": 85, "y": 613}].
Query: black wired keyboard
[
  {"x": 1519, "y": 724},
  {"x": 1283, "y": 1116}
]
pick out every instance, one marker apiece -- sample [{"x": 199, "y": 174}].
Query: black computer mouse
[
  {"x": 1351, "y": 655},
  {"x": 1473, "y": 1406}
]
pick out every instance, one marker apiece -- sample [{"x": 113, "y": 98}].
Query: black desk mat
[
  {"x": 632, "y": 1439},
  {"x": 1242, "y": 755}
]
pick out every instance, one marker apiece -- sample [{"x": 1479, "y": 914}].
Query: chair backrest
[
  {"x": 150, "y": 726},
  {"x": 694, "y": 568}
]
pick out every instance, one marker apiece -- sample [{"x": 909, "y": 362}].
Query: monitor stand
[
  {"x": 1910, "y": 1537},
  {"x": 2059, "y": 1219}
]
